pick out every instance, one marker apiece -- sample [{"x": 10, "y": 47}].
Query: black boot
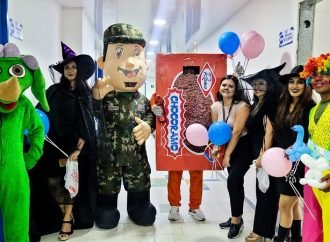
[
  {"x": 139, "y": 208},
  {"x": 282, "y": 234},
  {"x": 296, "y": 231},
  {"x": 107, "y": 215}
]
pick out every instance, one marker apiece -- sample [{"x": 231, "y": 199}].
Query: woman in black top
[
  {"x": 72, "y": 130},
  {"x": 260, "y": 126},
  {"x": 293, "y": 109},
  {"x": 233, "y": 108}
]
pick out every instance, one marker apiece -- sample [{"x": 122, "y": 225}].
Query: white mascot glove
[{"x": 157, "y": 110}]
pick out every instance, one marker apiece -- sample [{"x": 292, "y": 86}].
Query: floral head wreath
[{"x": 316, "y": 65}]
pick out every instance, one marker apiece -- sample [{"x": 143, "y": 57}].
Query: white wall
[
  {"x": 321, "y": 41},
  {"x": 41, "y": 29},
  {"x": 254, "y": 16},
  {"x": 45, "y": 25},
  {"x": 72, "y": 28},
  {"x": 88, "y": 37},
  {"x": 178, "y": 28},
  {"x": 41, "y": 20}
]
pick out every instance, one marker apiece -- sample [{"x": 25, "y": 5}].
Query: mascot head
[
  {"x": 123, "y": 59},
  {"x": 17, "y": 73}
]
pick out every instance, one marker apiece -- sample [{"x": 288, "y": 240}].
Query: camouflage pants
[{"x": 136, "y": 178}]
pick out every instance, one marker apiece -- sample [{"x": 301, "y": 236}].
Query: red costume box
[{"x": 188, "y": 84}]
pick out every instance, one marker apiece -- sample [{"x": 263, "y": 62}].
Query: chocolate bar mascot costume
[
  {"x": 125, "y": 122},
  {"x": 17, "y": 114}
]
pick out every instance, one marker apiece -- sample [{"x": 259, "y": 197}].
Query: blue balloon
[
  {"x": 44, "y": 119},
  {"x": 228, "y": 43},
  {"x": 219, "y": 133}
]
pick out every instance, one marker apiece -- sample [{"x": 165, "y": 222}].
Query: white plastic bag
[
  {"x": 263, "y": 180},
  {"x": 72, "y": 177}
]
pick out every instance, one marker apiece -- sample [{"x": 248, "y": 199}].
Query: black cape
[{"x": 45, "y": 214}]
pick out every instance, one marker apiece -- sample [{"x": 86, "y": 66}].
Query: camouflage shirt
[{"x": 115, "y": 114}]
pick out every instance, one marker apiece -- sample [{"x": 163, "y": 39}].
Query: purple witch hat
[{"x": 85, "y": 63}]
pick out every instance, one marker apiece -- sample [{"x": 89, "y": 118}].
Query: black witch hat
[{"x": 85, "y": 63}]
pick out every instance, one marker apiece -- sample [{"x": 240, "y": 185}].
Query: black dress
[
  {"x": 285, "y": 137},
  {"x": 267, "y": 203},
  {"x": 70, "y": 117}
]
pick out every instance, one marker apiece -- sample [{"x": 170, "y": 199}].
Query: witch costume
[{"x": 71, "y": 118}]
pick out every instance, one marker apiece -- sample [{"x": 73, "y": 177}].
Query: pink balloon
[
  {"x": 252, "y": 44},
  {"x": 247, "y": 33},
  {"x": 274, "y": 161},
  {"x": 197, "y": 135}
]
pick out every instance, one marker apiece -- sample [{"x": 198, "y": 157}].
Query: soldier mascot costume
[{"x": 125, "y": 121}]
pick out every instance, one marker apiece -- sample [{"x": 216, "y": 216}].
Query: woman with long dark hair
[
  {"x": 293, "y": 109},
  {"x": 267, "y": 89},
  {"x": 72, "y": 130},
  {"x": 234, "y": 109}
]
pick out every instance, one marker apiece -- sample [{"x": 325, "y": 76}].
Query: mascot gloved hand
[
  {"x": 17, "y": 73},
  {"x": 127, "y": 121}
]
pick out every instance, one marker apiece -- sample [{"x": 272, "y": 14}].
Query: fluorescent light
[
  {"x": 154, "y": 42},
  {"x": 151, "y": 53},
  {"x": 159, "y": 22}
]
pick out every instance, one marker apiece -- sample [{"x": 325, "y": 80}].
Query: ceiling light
[
  {"x": 159, "y": 22},
  {"x": 153, "y": 42},
  {"x": 150, "y": 53}
]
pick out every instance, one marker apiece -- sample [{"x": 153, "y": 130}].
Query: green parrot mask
[{"x": 17, "y": 73}]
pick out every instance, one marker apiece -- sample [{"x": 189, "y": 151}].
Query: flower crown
[{"x": 316, "y": 65}]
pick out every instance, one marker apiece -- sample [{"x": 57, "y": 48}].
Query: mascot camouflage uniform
[
  {"x": 317, "y": 72},
  {"x": 17, "y": 73},
  {"x": 125, "y": 121}
]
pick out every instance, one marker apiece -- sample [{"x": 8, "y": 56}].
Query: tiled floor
[{"x": 215, "y": 207}]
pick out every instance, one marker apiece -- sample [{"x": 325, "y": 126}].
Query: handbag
[
  {"x": 263, "y": 180},
  {"x": 72, "y": 177}
]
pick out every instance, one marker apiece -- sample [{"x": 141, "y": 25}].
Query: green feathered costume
[{"x": 17, "y": 73}]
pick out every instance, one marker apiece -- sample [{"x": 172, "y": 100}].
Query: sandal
[
  {"x": 252, "y": 237},
  {"x": 63, "y": 236}
]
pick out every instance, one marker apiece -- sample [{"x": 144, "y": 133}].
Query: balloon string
[
  {"x": 233, "y": 65},
  {"x": 53, "y": 144},
  {"x": 295, "y": 190},
  {"x": 246, "y": 62}
]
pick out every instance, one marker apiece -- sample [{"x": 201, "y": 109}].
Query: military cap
[{"x": 123, "y": 33}]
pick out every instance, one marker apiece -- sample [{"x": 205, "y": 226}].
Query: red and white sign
[{"x": 206, "y": 79}]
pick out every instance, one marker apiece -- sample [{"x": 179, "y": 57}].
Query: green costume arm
[{"x": 36, "y": 137}]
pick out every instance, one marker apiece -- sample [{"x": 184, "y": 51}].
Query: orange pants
[{"x": 196, "y": 188}]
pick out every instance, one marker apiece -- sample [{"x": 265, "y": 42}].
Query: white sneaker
[
  {"x": 174, "y": 214},
  {"x": 197, "y": 214}
]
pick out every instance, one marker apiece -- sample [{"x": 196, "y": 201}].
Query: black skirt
[{"x": 282, "y": 183}]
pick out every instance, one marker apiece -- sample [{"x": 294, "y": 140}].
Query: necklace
[{"x": 223, "y": 111}]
